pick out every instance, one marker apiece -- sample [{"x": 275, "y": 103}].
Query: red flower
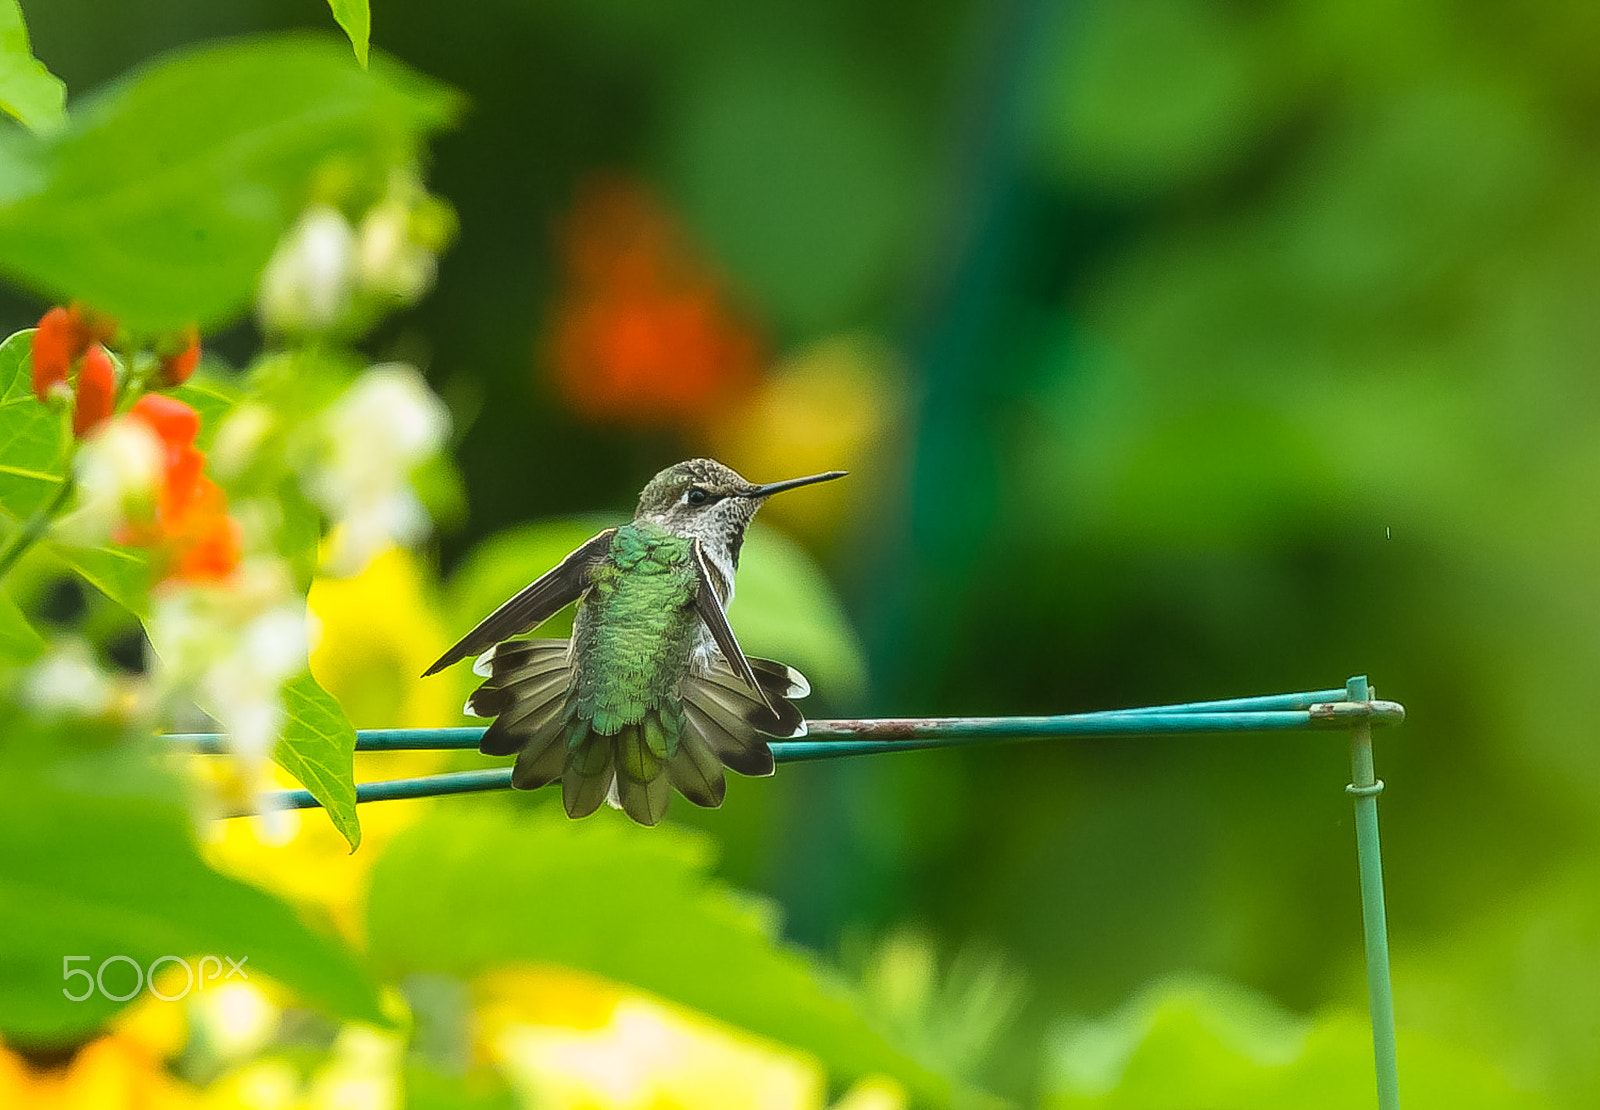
[
  {"x": 59, "y": 342},
  {"x": 644, "y": 333},
  {"x": 175, "y": 423},
  {"x": 63, "y": 337},
  {"x": 176, "y": 366},
  {"x": 211, "y": 551},
  {"x": 191, "y": 527},
  {"x": 97, "y": 389}
]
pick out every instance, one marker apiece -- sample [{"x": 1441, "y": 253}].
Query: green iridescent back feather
[{"x": 633, "y": 637}]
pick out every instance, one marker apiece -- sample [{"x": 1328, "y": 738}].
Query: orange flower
[
  {"x": 57, "y": 344},
  {"x": 113, "y": 1071},
  {"x": 177, "y": 365},
  {"x": 97, "y": 390},
  {"x": 644, "y": 333},
  {"x": 191, "y": 524},
  {"x": 209, "y": 547},
  {"x": 62, "y": 337},
  {"x": 175, "y": 422}
]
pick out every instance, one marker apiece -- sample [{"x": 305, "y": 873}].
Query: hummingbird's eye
[{"x": 698, "y": 496}]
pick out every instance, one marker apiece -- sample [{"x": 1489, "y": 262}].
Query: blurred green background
[{"x": 1178, "y": 349}]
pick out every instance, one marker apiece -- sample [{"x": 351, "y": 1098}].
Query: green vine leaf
[
  {"x": 121, "y": 573},
  {"x": 356, "y": 18},
  {"x": 162, "y": 200},
  {"x": 33, "y": 437},
  {"x": 20, "y": 642},
  {"x": 28, "y": 91},
  {"x": 633, "y": 905},
  {"x": 318, "y": 748}
]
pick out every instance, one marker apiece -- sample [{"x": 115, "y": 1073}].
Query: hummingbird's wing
[
  {"x": 534, "y": 605},
  {"x": 710, "y": 607}
]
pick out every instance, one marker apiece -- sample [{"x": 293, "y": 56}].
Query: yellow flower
[
  {"x": 835, "y": 405},
  {"x": 114, "y": 1072},
  {"x": 569, "y": 1041},
  {"x": 376, "y": 633},
  {"x": 299, "y": 855}
]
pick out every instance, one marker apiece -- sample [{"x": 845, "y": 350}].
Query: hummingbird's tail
[{"x": 719, "y": 723}]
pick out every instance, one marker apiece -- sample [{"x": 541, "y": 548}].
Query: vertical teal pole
[{"x": 1365, "y": 788}]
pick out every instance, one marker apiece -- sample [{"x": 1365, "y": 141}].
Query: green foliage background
[{"x": 1249, "y": 347}]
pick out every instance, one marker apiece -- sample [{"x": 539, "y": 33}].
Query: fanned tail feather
[
  {"x": 526, "y": 693},
  {"x": 726, "y": 721},
  {"x": 721, "y": 723},
  {"x": 590, "y": 767},
  {"x": 642, "y": 789}
]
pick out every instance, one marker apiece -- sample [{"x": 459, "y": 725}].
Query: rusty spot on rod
[{"x": 1378, "y": 712}]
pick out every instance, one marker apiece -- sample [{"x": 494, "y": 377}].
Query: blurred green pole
[{"x": 1366, "y": 787}]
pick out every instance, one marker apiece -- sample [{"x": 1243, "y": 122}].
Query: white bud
[
  {"x": 239, "y": 436},
  {"x": 374, "y": 436},
  {"x": 388, "y": 260},
  {"x": 307, "y": 284},
  {"x": 118, "y": 471},
  {"x": 67, "y": 681}
]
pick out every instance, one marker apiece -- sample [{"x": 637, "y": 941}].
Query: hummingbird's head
[{"x": 711, "y": 502}]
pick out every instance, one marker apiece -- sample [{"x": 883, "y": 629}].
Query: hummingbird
[{"x": 652, "y": 690}]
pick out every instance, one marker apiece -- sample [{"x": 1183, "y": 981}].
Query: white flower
[
  {"x": 388, "y": 260},
  {"x": 117, "y": 470},
  {"x": 373, "y": 437},
  {"x": 362, "y": 1072},
  {"x": 231, "y": 647},
  {"x": 307, "y": 284},
  {"x": 239, "y": 437},
  {"x": 237, "y": 1018},
  {"x": 68, "y": 681}
]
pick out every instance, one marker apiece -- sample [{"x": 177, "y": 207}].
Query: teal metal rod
[
  {"x": 829, "y": 738},
  {"x": 1365, "y": 787},
  {"x": 1229, "y": 705}
]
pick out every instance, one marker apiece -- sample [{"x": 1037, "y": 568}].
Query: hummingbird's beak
[{"x": 794, "y": 483}]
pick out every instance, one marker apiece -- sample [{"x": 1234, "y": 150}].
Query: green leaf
[
  {"x": 318, "y": 748},
  {"x": 213, "y": 396},
  {"x": 28, "y": 91},
  {"x": 785, "y": 608},
  {"x": 464, "y": 890},
  {"x": 163, "y": 199},
  {"x": 1201, "y": 1042},
  {"x": 98, "y": 859},
  {"x": 121, "y": 573},
  {"x": 356, "y": 19},
  {"x": 33, "y": 438},
  {"x": 20, "y": 642}
]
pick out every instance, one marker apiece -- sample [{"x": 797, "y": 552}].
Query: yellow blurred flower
[
  {"x": 299, "y": 855},
  {"x": 376, "y": 632},
  {"x": 542, "y": 994},
  {"x": 262, "y": 1085},
  {"x": 569, "y": 1041},
  {"x": 114, "y": 1072},
  {"x": 873, "y": 1093},
  {"x": 159, "y": 1027},
  {"x": 834, "y": 405},
  {"x": 235, "y": 1020},
  {"x": 363, "y": 1072}
]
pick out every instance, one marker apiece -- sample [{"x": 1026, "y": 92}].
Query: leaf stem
[{"x": 30, "y": 532}]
